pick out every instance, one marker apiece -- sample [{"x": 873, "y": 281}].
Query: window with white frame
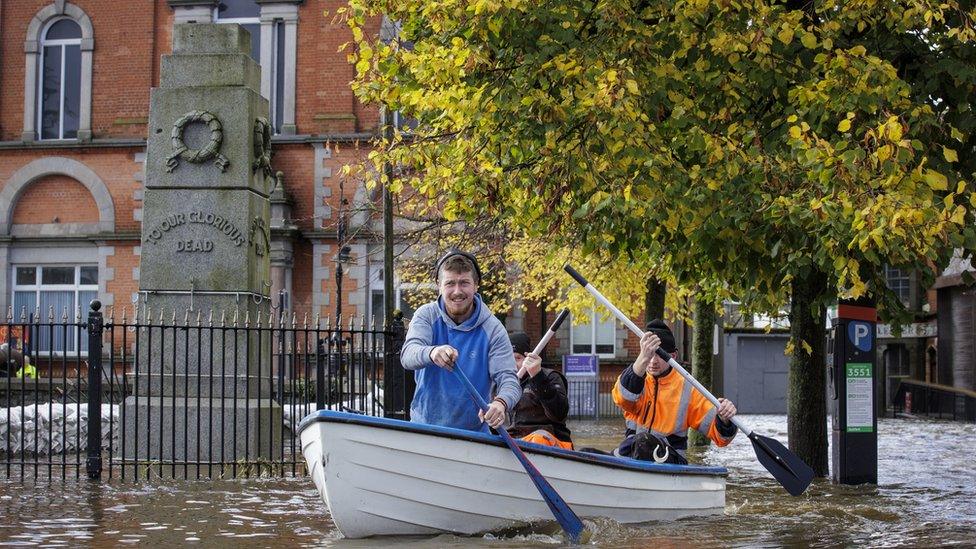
[
  {"x": 59, "y": 290},
  {"x": 591, "y": 334},
  {"x": 59, "y": 100},
  {"x": 404, "y": 123},
  {"x": 900, "y": 282},
  {"x": 402, "y": 294},
  {"x": 247, "y": 13}
]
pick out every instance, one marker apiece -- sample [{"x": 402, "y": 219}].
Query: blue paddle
[{"x": 560, "y": 509}]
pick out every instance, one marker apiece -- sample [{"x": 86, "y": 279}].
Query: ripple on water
[{"x": 926, "y": 497}]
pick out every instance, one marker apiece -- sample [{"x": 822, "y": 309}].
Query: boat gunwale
[{"x": 331, "y": 416}]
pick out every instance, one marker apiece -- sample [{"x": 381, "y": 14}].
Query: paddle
[
  {"x": 784, "y": 465},
  {"x": 545, "y": 338},
  {"x": 560, "y": 509}
]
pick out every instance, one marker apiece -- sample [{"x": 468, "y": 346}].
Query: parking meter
[{"x": 852, "y": 400}]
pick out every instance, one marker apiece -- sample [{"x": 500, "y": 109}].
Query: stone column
[{"x": 205, "y": 250}]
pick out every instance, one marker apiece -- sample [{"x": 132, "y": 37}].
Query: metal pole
[
  {"x": 340, "y": 245},
  {"x": 394, "y": 378},
  {"x": 95, "y": 326},
  {"x": 387, "y": 232}
]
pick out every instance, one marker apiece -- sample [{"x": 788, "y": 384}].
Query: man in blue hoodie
[{"x": 459, "y": 331}]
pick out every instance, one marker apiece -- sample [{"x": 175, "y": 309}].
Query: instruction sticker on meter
[{"x": 860, "y": 389}]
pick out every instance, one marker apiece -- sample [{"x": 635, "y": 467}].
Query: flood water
[{"x": 926, "y": 496}]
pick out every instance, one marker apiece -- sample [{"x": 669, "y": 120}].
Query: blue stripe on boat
[{"x": 495, "y": 440}]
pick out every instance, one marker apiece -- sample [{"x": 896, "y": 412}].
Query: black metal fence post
[
  {"x": 320, "y": 375},
  {"x": 398, "y": 386},
  {"x": 95, "y": 326}
]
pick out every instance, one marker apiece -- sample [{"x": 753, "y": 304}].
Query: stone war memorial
[{"x": 205, "y": 258}]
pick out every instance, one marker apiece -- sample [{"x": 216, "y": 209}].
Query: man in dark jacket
[{"x": 540, "y": 415}]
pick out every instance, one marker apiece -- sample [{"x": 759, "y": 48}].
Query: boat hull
[{"x": 388, "y": 477}]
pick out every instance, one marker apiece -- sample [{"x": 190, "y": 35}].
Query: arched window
[
  {"x": 57, "y": 84},
  {"x": 59, "y": 100}
]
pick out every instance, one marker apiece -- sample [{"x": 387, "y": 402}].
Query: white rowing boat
[{"x": 384, "y": 476}]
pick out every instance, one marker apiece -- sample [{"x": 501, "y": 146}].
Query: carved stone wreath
[
  {"x": 197, "y": 156},
  {"x": 262, "y": 244},
  {"x": 262, "y": 146}
]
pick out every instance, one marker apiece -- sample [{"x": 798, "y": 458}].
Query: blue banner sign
[{"x": 581, "y": 365}]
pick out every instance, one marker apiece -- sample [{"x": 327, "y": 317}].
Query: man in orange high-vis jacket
[{"x": 660, "y": 406}]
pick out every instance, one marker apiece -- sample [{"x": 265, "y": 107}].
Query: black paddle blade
[{"x": 783, "y": 464}]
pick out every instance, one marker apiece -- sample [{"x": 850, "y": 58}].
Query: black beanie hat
[
  {"x": 662, "y": 331},
  {"x": 520, "y": 343}
]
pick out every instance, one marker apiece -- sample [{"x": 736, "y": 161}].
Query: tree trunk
[
  {"x": 807, "y": 394},
  {"x": 654, "y": 299},
  {"x": 702, "y": 354}
]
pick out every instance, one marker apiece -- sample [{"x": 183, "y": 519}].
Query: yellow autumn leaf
[
  {"x": 936, "y": 181},
  {"x": 795, "y": 132},
  {"x": 884, "y": 153},
  {"x": 844, "y": 125},
  {"x": 632, "y": 87},
  {"x": 958, "y": 215},
  {"x": 894, "y": 129},
  {"x": 950, "y": 154}
]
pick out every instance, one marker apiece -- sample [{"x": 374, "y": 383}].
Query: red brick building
[{"x": 74, "y": 109}]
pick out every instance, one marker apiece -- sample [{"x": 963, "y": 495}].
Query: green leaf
[{"x": 809, "y": 41}]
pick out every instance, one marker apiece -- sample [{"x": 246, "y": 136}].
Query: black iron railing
[
  {"x": 929, "y": 399},
  {"x": 591, "y": 399},
  {"x": 206, "y": 395}
]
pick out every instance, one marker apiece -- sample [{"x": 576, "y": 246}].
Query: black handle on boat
[
  {"x": 560, "y": 509},
  {"x": 784, "y": 465}
]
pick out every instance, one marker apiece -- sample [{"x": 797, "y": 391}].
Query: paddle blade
[
  {"x": 561, "y": 510},
  {"x": 563, "y": 514},
  {"x": 784, "y": 465}
]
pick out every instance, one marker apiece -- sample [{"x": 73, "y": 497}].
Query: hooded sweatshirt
[{"x": 484, "y": 354}]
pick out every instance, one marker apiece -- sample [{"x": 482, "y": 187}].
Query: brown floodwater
[{"x": 926, "y": 496}]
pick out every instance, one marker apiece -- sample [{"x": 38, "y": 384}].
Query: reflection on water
[{"x": 926, "y": 496}]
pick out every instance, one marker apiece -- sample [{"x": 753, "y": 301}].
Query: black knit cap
[
  {"x": 520, "y": 343},
  {"x": 662, "y": 331}
]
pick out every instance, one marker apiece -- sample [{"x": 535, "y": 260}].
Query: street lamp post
[{"x": 341, "y": 258}]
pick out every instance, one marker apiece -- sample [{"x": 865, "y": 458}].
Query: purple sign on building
[{"x": 581, "y": 365}]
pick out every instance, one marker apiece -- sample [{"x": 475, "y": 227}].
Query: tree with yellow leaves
[{"x": 780, "y": 151}]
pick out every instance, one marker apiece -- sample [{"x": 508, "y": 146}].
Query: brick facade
[{"x": 80, "y": 200}]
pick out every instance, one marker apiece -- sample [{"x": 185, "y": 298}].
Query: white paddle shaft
[
  {"x": 545, "y": 338},
  {"x": 674, "y": 363}
]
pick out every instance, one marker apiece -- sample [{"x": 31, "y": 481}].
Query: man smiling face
[{"x": 458, "y": 284}]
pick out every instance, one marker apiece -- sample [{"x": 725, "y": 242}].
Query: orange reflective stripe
[{"x": 545, "y": 438}]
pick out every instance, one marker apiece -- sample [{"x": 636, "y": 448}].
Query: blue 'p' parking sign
[{"x": 860, "y": 335}]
